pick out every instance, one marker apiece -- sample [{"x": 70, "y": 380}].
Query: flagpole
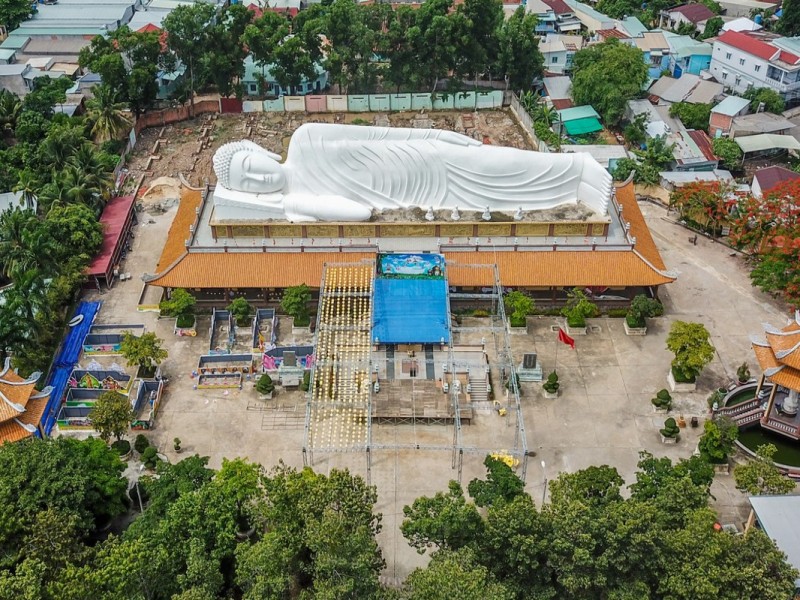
[{"x": 555, "y": 360}]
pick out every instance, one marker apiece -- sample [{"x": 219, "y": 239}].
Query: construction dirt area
[{"x": 186, "y": 148}]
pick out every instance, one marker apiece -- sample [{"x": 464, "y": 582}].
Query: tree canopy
[{"x": 606, "y": 76}]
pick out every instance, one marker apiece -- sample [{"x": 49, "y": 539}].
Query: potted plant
[
  {"x": 242, "y": 311},
  {"x": 690, "y": 344},
  {"x": 715, "y": 398},
  {"x": 518, "y": 306},
  {"x": 662, "y": 401},
  {"x": 577, "y": 309},
  {"x": 743, "y": 373},
  {"x": 181, "y": 305},
  {"x": 639, "y": 311},
  {"x": 141, "y": 443},
  {"x": 717, "y": 442},
  {"x": 176, "y": 445},
  {"x": 551, "y": 386},
  {"x": 265, "y": 387},
  {"x": 150, "y": 457},
  {"x": 670, "y": 432},
  {"x": 295, "y": 303}
]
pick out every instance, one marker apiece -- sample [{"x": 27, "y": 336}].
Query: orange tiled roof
[
  {"x": 788, "y": 377},
  {"x": 15, "y": 389},
  {"x": 11, "y": 431},
  {"x": 175, "y": 245},
  {"x": 642, "y": 266}
]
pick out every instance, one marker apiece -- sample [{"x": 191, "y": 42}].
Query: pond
[{"x": 788, "y": 451}]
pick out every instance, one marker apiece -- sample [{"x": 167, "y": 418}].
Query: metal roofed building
[
  {"x": 766, "y": 179},
  {"x": 722, "y": 114},
  {"x": 688, "y": 88},
  {"x": 779, "y": 518},
  {"x": 759, "y": 123},
  {"x": 579, "y": 120},
  {"x": 687, "y": 55},
  {"x": 767, "y": 143},
  {"x": 671, "y": 180},
  {"x": 559, "y": 90},
  {"x": 606, "y": 154}
]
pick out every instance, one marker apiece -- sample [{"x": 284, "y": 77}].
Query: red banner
[{"x": 563, "y": 337}]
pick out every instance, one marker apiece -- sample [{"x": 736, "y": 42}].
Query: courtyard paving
[{"x": 603, "y": 415}]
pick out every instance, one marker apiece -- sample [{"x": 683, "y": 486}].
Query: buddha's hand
[
  {"x": 309, "y": 207},
  {"x": 451, "y": 137}
]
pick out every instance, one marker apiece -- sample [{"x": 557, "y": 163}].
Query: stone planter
[
  {"x": 518, "y": 330},
  {"x": 300, "y": 330},
  {"x": 575, "y": 330},
  {"x": 550, "y": 395},
  {"x": 190, "y": 331},
  {"x": 659, "y": 410},
  {"x": 722, "y": 469},
  {"x": 674, "y": 386},
  {"x": 125, "y": 457},
  {"x": 266, "y": 396},
  {"x": 668, "y": 440},
  {"x": 633, "y": 330}
]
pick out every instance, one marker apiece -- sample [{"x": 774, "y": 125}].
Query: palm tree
[
  {"x": 10, "y": 109},
  {"x": 29, "y": 185},
  {"x": 18, "y": 247},
  {"x": 107, "y": 113},
  {"x": 85, "y": 160},
  {"x": 81, "y": 187},
  {"x": 27, "y": 296}
]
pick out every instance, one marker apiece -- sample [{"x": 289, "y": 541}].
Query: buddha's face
[{"x": 256, "y": 173}]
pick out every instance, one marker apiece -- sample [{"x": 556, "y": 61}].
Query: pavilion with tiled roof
[
  {"x": 778, "y": 355},
  {"x": 214, "y": 261},
  {"x": 21, "y": 405}
]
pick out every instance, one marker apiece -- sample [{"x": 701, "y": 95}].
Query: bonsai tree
[
  {"x": 241, "y": 310},
  {"x": 295, "y": 304},
  {"x": 641, "y": 308},
  {"x": 111, "y": 416},
  {"x": 662, "y": 400},
  {"x": 578, "y": 308},
  {"x": 671, "y": 429},
  {"x": 716, "y": 443},
  {"x": 181, "y": 305},
  {"x": 150, "y": 457},
  {"x": 144, "y": 350},
  {"x": 743, "y": 373},
  {"x": 690, "y": 344},
  {"x": 264, "y": 385},
  {"x": 551, "y": 385},
  {"x": 519, "y": 306},
  {"x": 305, "y": 383},
  {"x": 761, "y": 476},
  {"x": 141, "y": 443},
  {"x": 176, "y": 444}
]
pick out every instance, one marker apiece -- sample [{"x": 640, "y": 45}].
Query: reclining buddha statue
[{"x": 347, "y": 172}]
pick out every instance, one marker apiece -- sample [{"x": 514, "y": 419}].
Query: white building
[
  {"x": 559, "y": 50},
  {"x": 743, "y": 60}
]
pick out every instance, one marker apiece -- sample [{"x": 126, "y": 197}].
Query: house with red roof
[
  {"x": 767, "y": 179},
  {"x": 744, "y": 59},
  {"x": 694, "y": 14},
  {"x": 553, "y": 16}
]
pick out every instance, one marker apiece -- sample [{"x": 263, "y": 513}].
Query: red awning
[{"x": 114, "y": 217}]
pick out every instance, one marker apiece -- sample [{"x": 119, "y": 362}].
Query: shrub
[
  {"x": 662, "y": 400},
  {"x": 690, "y": 344},
  {"x": 150, "y": 457},
  {"x": 241, "y": 310},
  {"x": 716, "y": 397},
  {"x": 640, "y": 309},
  {"x": 578, "y": 308},
  {"x": 122, "y": 446},
  {"x": 264, "y": 385},
  {"x": 617, "y": 313},
  {"x": 671, "y": 429},
  {"x": 551, "y": 385},
  {"x": 176, "y": 444},
  {"x": 295, "y": 303},
  {"x": 141, "y": 443},
  {"x": 519, "y": 306},
  {"x": 305, "y": 384},
  {"x": 180, "y": 304},
  {"x": 479, "y": 312},
  {"x": 184, "y": 321},
  {"x": 743, "y": 372},
  {"x": 717, "y": 441}
]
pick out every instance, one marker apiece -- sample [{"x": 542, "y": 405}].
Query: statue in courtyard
[{"x": 345, "y": 172}]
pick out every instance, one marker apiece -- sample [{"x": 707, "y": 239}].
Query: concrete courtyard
[{"x": 602, "y": 416}]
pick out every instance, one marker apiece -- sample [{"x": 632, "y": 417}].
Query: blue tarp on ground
[
  {"x": 68, "y": 355},
  {"x": 410, "y": 311}
]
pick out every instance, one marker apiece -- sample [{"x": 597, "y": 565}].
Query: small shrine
[
  {"x": 778, "y": 355},
  {"x": 21, "y": 405}
]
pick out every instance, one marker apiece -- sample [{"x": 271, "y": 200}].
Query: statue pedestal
[
  {"x": 290, "y": 376},
  {"x": 534, "y": 374}
]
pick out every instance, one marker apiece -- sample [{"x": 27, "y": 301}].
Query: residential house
[
  {"x": 743, "y": 60},
  {"x": 603, "y": 35},
  {"x": 687, "y": 55},
  {"x": 759, "y": 123},
  {"x": 671, "y": 180},
  {"x": 558, "y": 51},
  {"x": 607, "y": 155},
  {"x": 741, "y": 24},
  {"x": 578, "y": 120},
  {"x": 723, "y": 113},
  {"x": 694, "y": 14},
  {"x": 253, "y": 72},
  {"x": 656, "y": 52},
  {"x": 553, "y": 16},
  {"x": 631, "y": 26},
  {"x": 559, "y": 90},
  {"x": 689, "y": 88},
  {"x": 12, "y": 78},
  {"x": 591, "y": 19},
  {"x": 770, "y": 177},
  {"x": 658, "y": 120},
  {"x": 745, "y": 8}
]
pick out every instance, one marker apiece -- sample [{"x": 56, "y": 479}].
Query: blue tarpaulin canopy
[{"x": 410, "y": 311}]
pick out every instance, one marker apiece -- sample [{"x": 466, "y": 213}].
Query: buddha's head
[{"x": 247, "y": 167}]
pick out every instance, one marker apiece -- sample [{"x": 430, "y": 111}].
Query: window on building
[
  {"x": 757, "y": 68},
  {"x": 724, "y": 75},
  {"x": 728, "y": 55},
  {"x": 738, "y": 80},
  {"x": 741, "y": 61},
  {"x": 253, "y": 88},
  {"x": 554, "y": 60}
]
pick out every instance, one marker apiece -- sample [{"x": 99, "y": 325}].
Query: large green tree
[
  {"x": 455, "y": 574},
  {"x": 189, "y": 31},
  {"x": 14, "y": 12},
  {"x": 606, "y": 76},
  {"x": 789, "y": 23},
  {"x": 519, "y": 58}
]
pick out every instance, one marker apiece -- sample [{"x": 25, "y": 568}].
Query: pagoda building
[
  {"x": 778, "y": 355},
  {"x": 21, "y": 405}
]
